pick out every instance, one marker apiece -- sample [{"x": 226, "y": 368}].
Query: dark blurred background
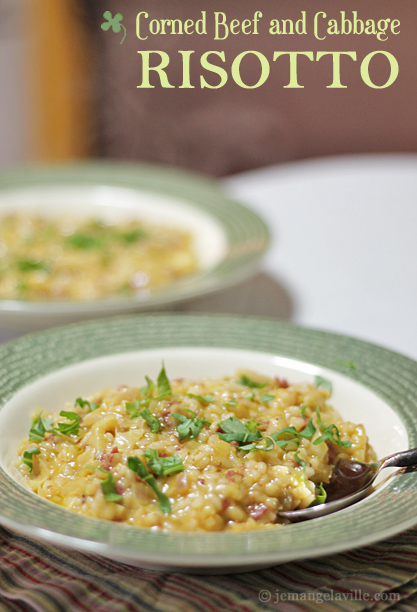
[{"x": 75, "y": 87}]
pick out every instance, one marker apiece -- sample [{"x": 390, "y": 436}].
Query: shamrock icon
[{"x": 114, "y": 23}]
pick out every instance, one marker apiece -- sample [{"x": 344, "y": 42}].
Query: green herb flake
[
  {"x": 28, "y": 457},
  {"x": 85, "y": 404},
  {"x": 330, "y": 433},
  {"x": 148, "y": 390},
  {"x": 39, "y": 428},
  {"x": 83, "y": 241},
  {"x": 292, "y": 435},
  {"x": 321, "y": 496},
  {"x": 266, "y": 444},
  {"x": 250, "y": 396},
  {"x": 232, "y": 403},
  {"x": 267, "y": 398},
  {"x": 108, "y": 486},
  {"x": 164, "y": 386},
  {"x": 303, "y": 464},
  {"x": 163, "y": 466},
  {"x": 203, "y": 399},
  {"x": 133, "y": 236},
  {"x": 234, "y": 430},
  {"x": 136, "y": 465},
  {"x": 134, "y": 408},
  {"x": 189, "y": 427},
  {"x": 303, "y": 411},
  {"x": 151, "y": 420},
  {"x": 252, "y": 425},
  {"x": 32, "y": 265},
  {"x": 323, "y": 383},
  {"x": 282, "y": 443},
  {"x": 69, "y": 428},
  {"x": 247, "y": 382}
]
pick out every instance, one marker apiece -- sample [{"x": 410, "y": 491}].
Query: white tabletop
[
  {"x": 344, "y": 251},
  {"x": 344, "y": 243}
]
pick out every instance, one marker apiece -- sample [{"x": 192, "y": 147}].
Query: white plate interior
[
  {"x": 117, "y": 204},
  {"x": 353, "y": 401}
]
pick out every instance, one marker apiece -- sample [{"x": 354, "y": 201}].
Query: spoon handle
[{"x": 402, "y": 459}]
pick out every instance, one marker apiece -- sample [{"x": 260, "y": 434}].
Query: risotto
[
  {"x": 51, "y": 259},
  {"x": 207, "y": 455}
]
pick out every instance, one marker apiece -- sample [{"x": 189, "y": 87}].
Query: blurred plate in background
[{"x": 228, "y": 239}]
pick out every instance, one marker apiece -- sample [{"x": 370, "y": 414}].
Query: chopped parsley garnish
[
  {"x": 32, "y": 265},
  {"x": 266, "y": 444},
  {"x": 39, "y": 428},
  {"x": 324, "y": 383},
  {"x": 163, "y": 382},
  {"x": 232, "y": 403},
  {"x": 164, "y": 389},
  {"x": 136, "y": 465},
  {"x": 266, "y": 397},
  {"x": 203, "y": 399},
  {"x": 133, "y": 236},
  {"x": 28, "y": 456},
  {"x": 101, "y": 235},
  {"x": 301, "y": 462},
  {"x": 303, "y": 410},
  {"x": 108, "y": 486},
  {"x": 235, "y": 430},
  {"x": 163, "y": 466},
  {"x": 85, "y": 404},
  {"x": 150, "y": 386},
  {"x": 190, "y": 427},
  {"x": 80, "y": 240},
  {"x": 247, "y": 434},
  {"x": 69, "y": 428},
  {"x": 250, "y": 395},
  {"x": 252, "y": 425},
  {"x": 321, "y": 495},
  {"x": 134, "y": 408},
  {"x": 151, "y": 420},
  {"x": 290, "y": 434},
  {"x": 330, "y": 433},
  {"x": 247, "y": 382}
]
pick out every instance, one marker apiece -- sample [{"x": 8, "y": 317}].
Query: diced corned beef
[
  {"x": 225, "y": 503},
  {"x": 107, "y": 458},
  {"x": 230, "y": 475},
  {"x": 281, "y": 383}
]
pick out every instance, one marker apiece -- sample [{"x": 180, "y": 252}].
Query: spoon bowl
[{"x": 351, "y": 481}]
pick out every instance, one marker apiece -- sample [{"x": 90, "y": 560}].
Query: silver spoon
[{"x": 361, "y": 478}]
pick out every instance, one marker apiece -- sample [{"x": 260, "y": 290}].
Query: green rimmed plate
[
  {"x": 371, "y": 385},
  {"x": 228, "y": 238}
]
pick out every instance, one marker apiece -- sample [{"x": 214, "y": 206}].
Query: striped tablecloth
[{"x": 40, "y": 578}]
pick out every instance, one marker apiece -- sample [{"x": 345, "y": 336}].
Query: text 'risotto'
[{"x": 208, "y": 455}]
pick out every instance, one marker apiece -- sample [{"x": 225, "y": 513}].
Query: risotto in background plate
[
  {"x": 67, "y": 259},
  {"x": 223, "y": 454}
]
